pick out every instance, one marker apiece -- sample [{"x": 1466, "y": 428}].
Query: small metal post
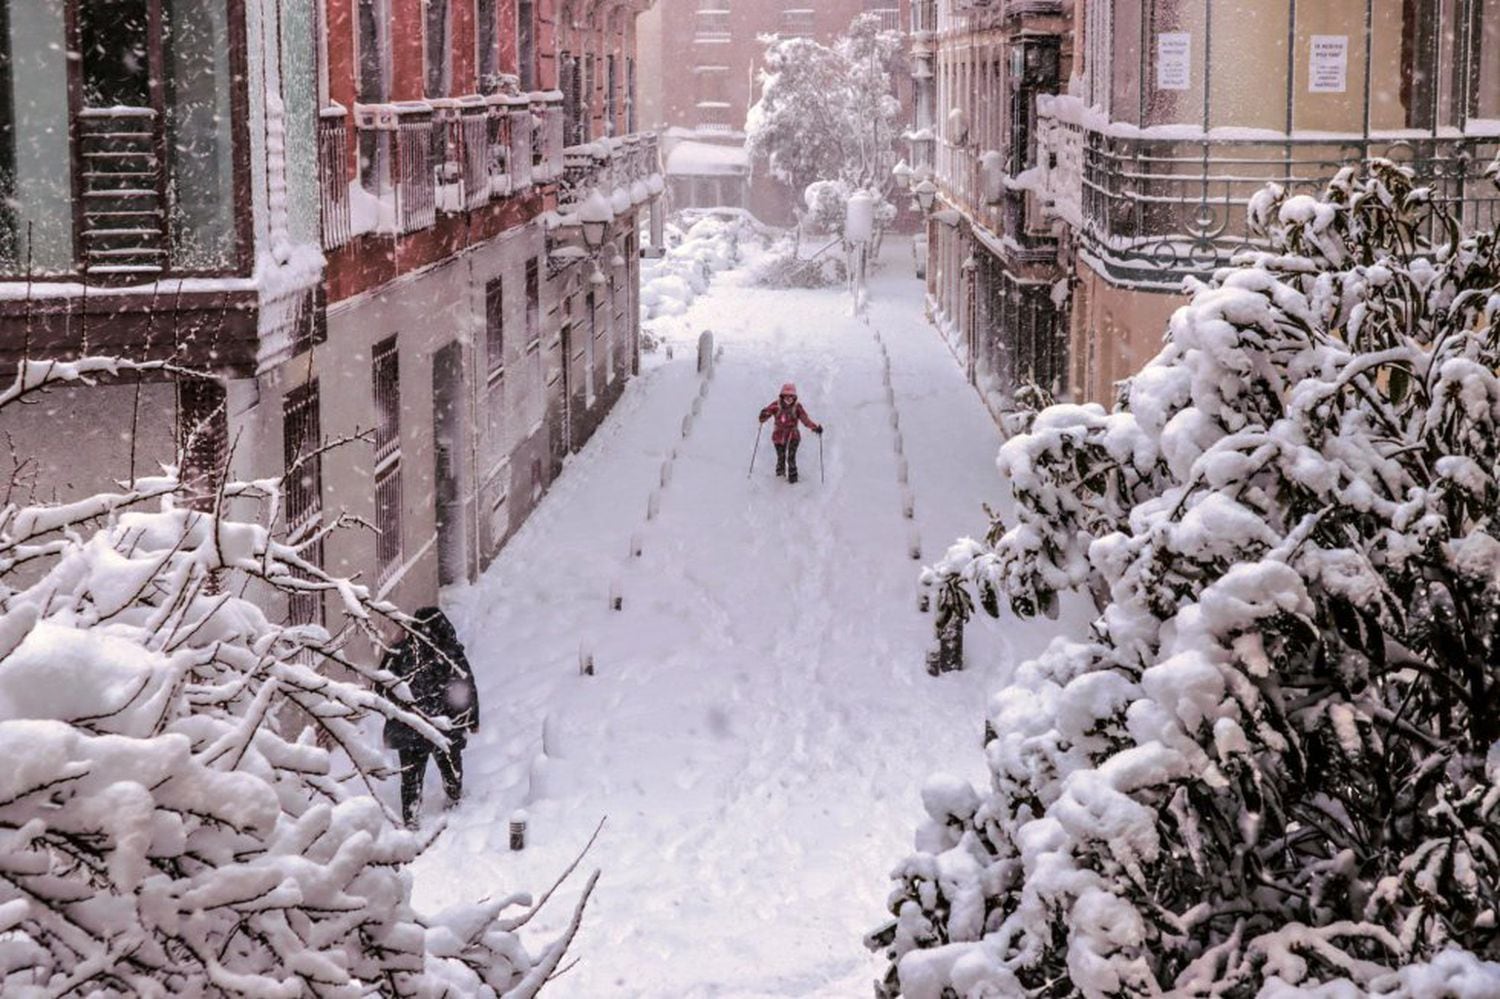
[
  {"x": 635, "y": 545},
  {"x": 518, "y": 830},
  {"x": 914, "y": 546},
  {"x": 616, "y": 598},
  {"x": 653, "y": 505},
  {"x": 585, "y": 660},
  {"x": 951, "y": 646}
]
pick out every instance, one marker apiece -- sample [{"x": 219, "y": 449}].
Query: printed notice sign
[
  {"x": 1174, "y": 60},
  {"x": 1328, "y": 64}
]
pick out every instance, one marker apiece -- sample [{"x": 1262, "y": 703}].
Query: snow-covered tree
[
  {"x": 829, "y": 112},
  {"x": 1272, "y": 767},
  {"x": 185, "y": 794}
]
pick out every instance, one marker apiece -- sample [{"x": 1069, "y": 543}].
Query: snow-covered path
[{"x": 760, "y": 721}]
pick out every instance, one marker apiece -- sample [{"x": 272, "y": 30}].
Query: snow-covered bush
[
  {"x": 1272, "y": 768},
  {"x": 185, "y": 797},
  {"x": 708, "y": 245},
  {"x": 784, "y": 265}
]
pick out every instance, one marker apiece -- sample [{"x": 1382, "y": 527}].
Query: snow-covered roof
[{"x": 700, "y": 158}]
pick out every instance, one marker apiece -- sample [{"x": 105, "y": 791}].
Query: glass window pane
[
  {"x": 1487, "y": 80},
  {"x": 200, "y": 180},
  {"x": 36, "y": 222}
]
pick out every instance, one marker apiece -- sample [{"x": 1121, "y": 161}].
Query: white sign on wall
[
  {"x": 1328, "y": 64},
  {"x": 1174, "y": 60}
]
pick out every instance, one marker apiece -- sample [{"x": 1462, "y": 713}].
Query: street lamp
[
  {"x": 594, "y": 217},
  {"x": 926, "y": 193},
  {"x": 902, "y": 173}
]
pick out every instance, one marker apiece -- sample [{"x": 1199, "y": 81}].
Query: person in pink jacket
[{"x": 788, "y": 412}]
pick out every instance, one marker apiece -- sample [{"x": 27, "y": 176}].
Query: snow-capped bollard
[
  {"x": 666, "y": 473},
  {"x": 697, "y": 404},
  {"x": 899, "y": 443},
  {"x": 705, "y": 352},
  {"x": 924, "y": 601},
  {"x": 914, "y": 545},
  {"x": 902, "y": 472},
  {"x": 585, "y": 659},
  {"x": 890, "y": 394},
  {"x": 616, "y": 598},
  {"x": 635, "y": 545},
  {"x": 687, "y": 425},
  {"x": 518, "y": 820},
  {"x": 653, "y": 505},
  {"x": 933, "y": 667},
  {"x": 908, "y": 505},
  {"x": 895, "y": 420}
]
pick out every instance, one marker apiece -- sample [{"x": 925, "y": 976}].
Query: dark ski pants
[
  {"x": 786, "y": 459},
  {"x": 414, "y": 769}
]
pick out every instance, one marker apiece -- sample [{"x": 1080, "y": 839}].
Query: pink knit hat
[{"x": 789, "y": 389}]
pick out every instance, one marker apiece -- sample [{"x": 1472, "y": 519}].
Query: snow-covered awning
[{"x": 697, "y": 159}]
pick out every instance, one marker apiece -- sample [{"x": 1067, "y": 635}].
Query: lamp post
[
  {"x": 902, "y": 173},
  {"x": 926, "y": 193}
]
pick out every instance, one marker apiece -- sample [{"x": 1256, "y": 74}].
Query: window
[
  {"x": 301, "y": 440},
  {"x": 589, "y": 340},
  {"x": 526, "y": 44},
  {"x": 494, "y": 327},
  {"x": 609, "y": 94},
  {"x": 630, "y": 123},
  {"x": 301, "y": 432},
  {"x": 1484, "y": 91},
  {"x": 387, "y": 384},
  {"x": 437, "y": 23},
  {"x": 535, "y": 376},
  {"x": 488, "y": 41},
  {"x": 374, "y": 52},
  {"x": 8, "y": 233}
]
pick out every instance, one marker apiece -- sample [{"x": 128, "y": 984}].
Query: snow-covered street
[{"x": 748, "y": 732}]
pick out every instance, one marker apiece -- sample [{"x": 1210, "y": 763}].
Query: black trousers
[
  {"x": 786, "y": 459},
  {"x": 450, "y": 766}
]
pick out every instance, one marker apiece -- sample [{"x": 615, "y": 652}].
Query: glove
[
  {"x": 818, "y": 430},
  {"x": 764, "y": 417}
]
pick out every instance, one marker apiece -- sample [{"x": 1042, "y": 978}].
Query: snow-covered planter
[
  {"x": 1272, "y": 766},
  {"x": 185, "y": 803}
]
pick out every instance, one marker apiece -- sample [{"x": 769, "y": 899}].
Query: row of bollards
[{"x": 708, "y": 357}]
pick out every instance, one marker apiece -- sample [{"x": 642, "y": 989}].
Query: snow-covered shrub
[
  {"x": 185, "y": 803},
  {"x": 784, "y": 266},
  {"x": 1272, "y": 768}
]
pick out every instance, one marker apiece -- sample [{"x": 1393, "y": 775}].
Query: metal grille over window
[
  {"x": 387, "y": 380},
  {"x": 301, "y": 440}
]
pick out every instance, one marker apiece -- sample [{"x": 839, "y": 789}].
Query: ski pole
[
  {"x": 758, "y": 431},
  {"x": 822, "y": 474}
]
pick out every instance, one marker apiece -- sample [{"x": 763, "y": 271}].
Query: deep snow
[{"x": 752, "y": 728}]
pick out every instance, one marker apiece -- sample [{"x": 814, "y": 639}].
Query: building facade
[
  {"x": 358, "y": 223},
  {"x": 706, "y": 59},
  {"x": 1090, "y": 156}
]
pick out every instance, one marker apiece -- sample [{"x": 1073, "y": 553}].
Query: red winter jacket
[{"x": 786, "y": 418}]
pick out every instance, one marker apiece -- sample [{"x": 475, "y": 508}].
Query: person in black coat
[{"x": 432, "y": 662}]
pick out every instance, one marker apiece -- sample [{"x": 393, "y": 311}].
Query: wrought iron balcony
[
  {"x": 1154, "y": 209},
  {"x": 608, "y": 165},
  {"x": 333, "y": 175}
]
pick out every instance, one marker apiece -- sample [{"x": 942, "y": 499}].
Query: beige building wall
[
  {"x": 1115, "y": 330},
  {"x": 72, "y": 442}
]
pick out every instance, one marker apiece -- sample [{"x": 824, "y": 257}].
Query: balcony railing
[
  {"x": 1155, "y": 209},
  {"x": 420, "y": 158},
  {"x": 123, "y": 207},
  {"x": 333, "y": 175},
  {"x": 608, "y": 165},
  {"x": 923, "y": 17},
  {"x": 798, "y": 23},
  {"x": 890, "y": 17}
]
